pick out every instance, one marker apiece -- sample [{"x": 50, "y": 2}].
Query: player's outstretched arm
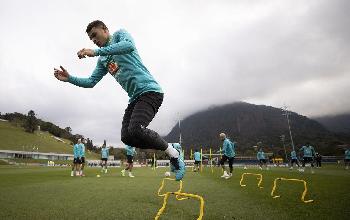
[
  {"x": 96, "y": 76},
  {"x": 83, "y": 53},
  {"x": 61, "y": 74}
]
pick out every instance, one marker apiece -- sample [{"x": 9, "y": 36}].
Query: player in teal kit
[
  {"x": 77, "y": 159},
  {"x": 262, "y": 159},
  {"x": 104, "y": 157},
  {"x": 228, "y": 150},
  {"x": 130, "y": 152},
  {"x": 119, "y": 57},
  {"x": 308, "y": 156},
  {"x": 347, "y": 158},
  {"x": 197, "y": 160},
  {"x": 294, "y": 159}
]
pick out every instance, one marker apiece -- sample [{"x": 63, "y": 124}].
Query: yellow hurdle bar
[
  {"x": 201, "y": 209},
  {"x": 297, "y": 180},
  {"x": 162, "y": 186},
  {"x": 260, "y": 178}
]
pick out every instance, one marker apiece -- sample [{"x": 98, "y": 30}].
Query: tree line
[{"x": 30, "y": 123}]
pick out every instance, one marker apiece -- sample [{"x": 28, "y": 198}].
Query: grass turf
[{"x": 50, "y": 193}]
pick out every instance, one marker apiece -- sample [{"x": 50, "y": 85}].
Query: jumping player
[{"x": 119, "y": 56}]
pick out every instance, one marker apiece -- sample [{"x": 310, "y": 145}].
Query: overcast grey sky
[{"x": 202, "y": 53}]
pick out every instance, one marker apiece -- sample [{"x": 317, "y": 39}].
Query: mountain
[
  {"x": 336, "y": 123},
  {"x": 247, "y": 124}
]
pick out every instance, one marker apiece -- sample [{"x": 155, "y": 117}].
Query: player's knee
[{"x": 135, "y": 132}]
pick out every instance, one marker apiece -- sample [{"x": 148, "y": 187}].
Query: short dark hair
[{"x": 96, "y": 23}]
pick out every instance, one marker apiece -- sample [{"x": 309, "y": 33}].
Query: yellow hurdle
[
  {"x": 162, "y": 186},
  {"x": 260, "y": 178},
  {"x": 296, "y": 180},
  {"x": 201, "y": 209}
]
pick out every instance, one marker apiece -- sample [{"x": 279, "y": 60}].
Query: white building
[{"x": 8, "y": 154}]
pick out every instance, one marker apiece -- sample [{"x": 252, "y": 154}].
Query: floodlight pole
[
  {"x": 287, "y": 113},
  {"x": 284, "y": 146}
]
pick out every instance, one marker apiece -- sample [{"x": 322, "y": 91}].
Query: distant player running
[
  {"x": 308, "y": 156},
  {"x": 197, "y": 160},
  {"x": 130, "y": 152},
  {"x": 294, "y": 159},
  {"x": 262, "y": 159},
  {"x": 104, "y": 157},
  {"x": 119, "y": 56},
  {"x": 76, "y": 161},
  {"x": 228, "y": 149}
]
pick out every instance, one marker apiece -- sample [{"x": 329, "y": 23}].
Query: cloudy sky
[{"x": 203, "y": 53}]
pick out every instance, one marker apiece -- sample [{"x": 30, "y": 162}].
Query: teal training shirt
[
  {"x": 347, "y": 154},
  {"x": 260, "y": 155},
  {"x": 82, "y": 150},
  {"x": 197, "y": 156},
  {"x": 104, "y": 152},
  {"x": 132, "y": 75},
  {"x": 293, "y": 155},
  {"x": 308, "y": 151},
  {"x": 228, "y": 148},
  {"x": 76, "y": 150},
  {"x": 130, "y": 151}
]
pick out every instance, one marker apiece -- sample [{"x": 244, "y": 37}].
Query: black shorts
[
  {"x": 130, "y": 158},
  {"x": 308, "y": 159},
  {"x": 262, "y": 160},
  {"x": 347, "y": 160},
  {"x": 104, "y": 159},
  {"x": 137, "y": 117},
  {"x": 197, "y": 162},
  {"x": 294, "y": 160},
  {"x": 82, "y": 159},
  {"x": 224, "y": 158},
  {"x": 77, "y": 161}
]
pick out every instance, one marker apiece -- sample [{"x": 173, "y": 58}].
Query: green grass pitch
[{"x": 51, "y": 193}]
